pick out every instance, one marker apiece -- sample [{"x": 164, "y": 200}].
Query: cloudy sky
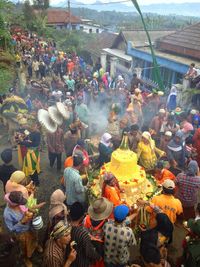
[{"x": 143, "y": 2}]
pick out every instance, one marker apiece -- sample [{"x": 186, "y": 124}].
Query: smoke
[{"x": 98, "y": 118}]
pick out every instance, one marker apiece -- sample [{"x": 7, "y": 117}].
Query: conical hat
[
  {"x": 45, "y": 120},
  {"x": 62, "y": 109},
  {"x": 55, "y": 115}
]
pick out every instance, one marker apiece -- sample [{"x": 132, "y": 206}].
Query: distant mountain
[{"x": 185, "y": 9}]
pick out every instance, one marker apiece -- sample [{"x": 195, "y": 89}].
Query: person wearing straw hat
[
  {"x": 55, "y": 248},
  {"x": 86, "y": 253},
  {"x": 98, "y": 213}
]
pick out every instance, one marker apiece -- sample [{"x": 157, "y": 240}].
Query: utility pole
[{"x": 69, "y": 11}]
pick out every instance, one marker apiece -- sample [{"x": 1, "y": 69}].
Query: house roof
[
  {"x": 139, "y": 37},
  {"x": 184, "y": 42},
  {"x": 102, "y": 40},
  {"x": 118, "y": 53},
  {"x": 59, "y": 16}
]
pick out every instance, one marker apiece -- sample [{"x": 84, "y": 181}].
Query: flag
[{"x": 156, "y": 70}]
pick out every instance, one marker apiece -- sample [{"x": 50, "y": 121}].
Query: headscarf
[
  {"x": 105, "y": 139},
  {"x": 192, "y": 168},
  {"x": 147, "y": 136},
  {"x": 173, "y": 91},
  {"x": 187, "y": 127},
  {"x": 57, "y": 204}
]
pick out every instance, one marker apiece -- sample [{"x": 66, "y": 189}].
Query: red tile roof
[{"x": 58, "y": 16}]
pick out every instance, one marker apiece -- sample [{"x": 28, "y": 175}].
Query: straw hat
[{"x": 100, "y": 209}]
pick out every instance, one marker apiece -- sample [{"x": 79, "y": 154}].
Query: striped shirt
[
  {"x": 54, "y": 256},
  {"x": 86, "y": 253}
]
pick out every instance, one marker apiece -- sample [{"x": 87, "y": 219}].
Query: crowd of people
[{"x": 105, "y": 231}]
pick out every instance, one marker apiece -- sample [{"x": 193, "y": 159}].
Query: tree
[
  {"x": 41, "y": 4},
  {"x": 29, "y": 15}
]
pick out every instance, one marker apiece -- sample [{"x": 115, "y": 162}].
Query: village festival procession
[{"x": 99, "y": 134}]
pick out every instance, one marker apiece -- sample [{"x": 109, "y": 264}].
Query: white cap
[
  {"x": 162, "y": 110},
  {"x": 168, "y": 133},
  {"x": 193, "y": 112},
  {"x": 168, "y": 184}
]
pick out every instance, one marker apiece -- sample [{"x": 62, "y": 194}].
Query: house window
[
  {"x": 97, "y": 30},
  {"x": 90, "y": 30},
  {"x": 73, "y": 27},
  {"x": 81, "y": 28}
]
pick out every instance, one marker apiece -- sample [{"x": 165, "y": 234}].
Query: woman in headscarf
[
  {"x": 171, "y": 101},
  {"x": 18, "y": 219},
  {"x": 57, "y": 210},
  {"x": 146, "y": 152},
  {"x": 17, "y": 182},
  {"x": 105, "y": 149},
  {"x": 196, "y": 139},
  {"x": 110, "y": 189},
  {"x": 188, "y": 185}
]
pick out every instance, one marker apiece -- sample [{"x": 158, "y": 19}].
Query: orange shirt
[
  {"x": 170, "y": 205},
  {"x": 112, "y": 194},
  {"x": 165, "y": 174}
]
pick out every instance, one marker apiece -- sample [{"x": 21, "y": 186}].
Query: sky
[{"x": 142, "y": 2}]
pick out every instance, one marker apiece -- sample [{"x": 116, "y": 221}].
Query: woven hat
[
  {"x": 168, "y": 184},
  {"x": 17, "y": 177},
  {"x": 100, "y": 209},
  {"x": 60, "y": 229}
]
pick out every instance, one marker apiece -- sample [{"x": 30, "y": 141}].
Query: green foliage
[
  {"x": 131, "y": 20},
  {"x": 7, "y": 71}
]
